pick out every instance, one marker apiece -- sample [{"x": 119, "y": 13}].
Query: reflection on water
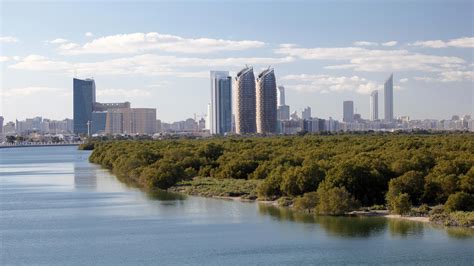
[
  {"x": 458, "y": 232},
  {"x": 333, "y": 225},
  {"x": 84, "y": 178},
  {"x": 360, "y": 226},
  {"x": 163, "y": 195},
  {"x": 403, "y": 228}
]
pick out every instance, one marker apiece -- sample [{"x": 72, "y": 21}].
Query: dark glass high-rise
[{"x": 83, "y": 102}]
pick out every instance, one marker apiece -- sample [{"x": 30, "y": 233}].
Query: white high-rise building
[
  {"x": 283, "y": 110},
  {"x": 374, "y": 105},
  {"x": 388, "y": 99},
  {"x": 306, "y": 114},
  {"x": 281, "y": 95},
  {"x": 221, "y": 102},
  {"x": 208, "y": 116}
]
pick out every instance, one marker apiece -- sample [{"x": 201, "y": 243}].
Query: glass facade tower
[
  {"x": 221, "y": 103},
  {"x": 83, "y": 104}
]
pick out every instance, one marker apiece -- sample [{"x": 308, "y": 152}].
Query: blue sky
[{"x": 158, "y": 54}]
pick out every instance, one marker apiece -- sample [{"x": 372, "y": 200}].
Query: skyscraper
[
  {"x": 221, "y": 102},
  {"x": 208, "y": 117},
  {"x": 245, "y": 102},
  {"x": 281, "y": 95},
  {"x": 388, "y": 99},
  {"x": 348, "y": 111},
  {"x": 83, "y": 104},
  {"x": 283, "y": 110},
  {"x": 306, "y": 114},
  {"x": 374, "y": 105},
  {"x": 266, "y": 102}
]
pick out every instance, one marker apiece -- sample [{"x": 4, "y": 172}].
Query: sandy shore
[
  {"x": 377, "y": 213},
  {"x": 409, "y": 218}
]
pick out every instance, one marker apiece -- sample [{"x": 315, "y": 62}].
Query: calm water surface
[{"x": 56, "y": 208}]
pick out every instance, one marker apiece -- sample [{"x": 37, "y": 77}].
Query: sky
[{"x": 158, "y": 54}]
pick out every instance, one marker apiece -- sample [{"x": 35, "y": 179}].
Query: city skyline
[{"x": 158, "y": 64}]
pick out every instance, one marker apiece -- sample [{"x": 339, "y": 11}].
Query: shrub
[
  {"x": 334, "y": 201},
  {"x": 459, "y": 201},
  {"x": 454, "y": 219},
  {"x": 163, "y": 176},
  {"x": 237, "y": 168},
  {"x": 411, "y": 182},
  {"x": 307, "y": 202},
  {"x": 401, "y": 204},
  {"x": 285, "y": 201},
  {"x": 269, "y": 189},
  {"x": 423, "y": 210},
  {"x": 467, "y": 181}
]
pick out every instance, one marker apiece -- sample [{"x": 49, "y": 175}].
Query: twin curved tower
[{"x": 255, "y": 104}]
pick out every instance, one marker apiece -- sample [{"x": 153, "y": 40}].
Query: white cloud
[
  {"x": 28, "y": 91},
  {"x": 465, "y": 42},
  {"x": 365, "y": 43},
  {"x": 328, "y": 83},
  {"x": 89, "y": 34},
  {"x": 68, "y": 46},
  {"x": 8, "y": 39},
  {"x": 449, "y": 76},
  {"x": 372, "y": 60},
  {"x": 389, "y": 44},
  {"x": 142, "y": 42},
  {"x": 4, "y": 59},
  {"x": 147, "y": 64},
  {"x": 403, "y": 80},
  {"x": 40, "y": 63},
  {"x": 58, "y": 41}
]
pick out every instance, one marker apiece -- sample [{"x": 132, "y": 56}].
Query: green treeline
[{"x": 324, "y": 174}]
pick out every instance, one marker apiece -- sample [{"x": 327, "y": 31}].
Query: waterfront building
[
  {"x": 306, "y": 114},
  {"x": 83, "y": 104},
  {"x": 283, "y": 113},
  {"x": 208, "y": 117},
  {"x": 143, "y": 121},
  {"x": 388, "y": 99},
  {"x": 99, "y": 119},
  {"x": 348, "y": 111},
  {"x": 281, "y": 95},
  {"x": 245, "y": 102},
  {"x": 374, "y": 105},
  {"x": 221, "y": 102},
  {"x": 283, "y": 110},
  {"x": 114, "y": 122},
  {"x": 266, "y": 97},
  {"x": 108, "y": 106}
]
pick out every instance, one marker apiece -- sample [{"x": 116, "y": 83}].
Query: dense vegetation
[{"x": 324, "y": 174}]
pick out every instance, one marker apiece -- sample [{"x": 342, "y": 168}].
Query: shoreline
[
  {"x": 38, "y": 145},
  {"x": 377, "y": 213}
]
